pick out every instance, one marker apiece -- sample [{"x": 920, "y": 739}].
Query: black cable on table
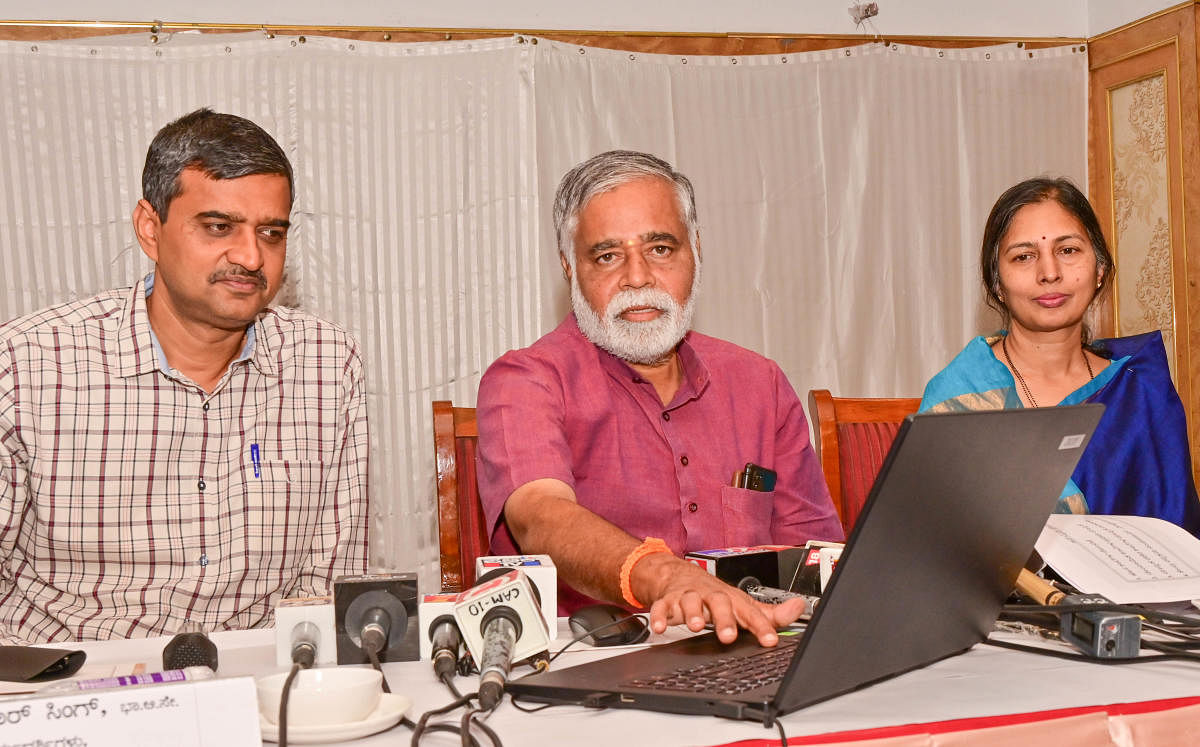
[
  {"x": 588, "y": 634},
  {"x": 374, "y": 657},
  {"x": 447, "y": 679},
  {"x": 464, "y": 727},
  {"x": 283, "y": 703},
  {"x": 1185, "y": 621},
  {"x": 782, "y": 735},
  {"x": 422, "y": 724},
  {"x": 1171, "y": 655}
]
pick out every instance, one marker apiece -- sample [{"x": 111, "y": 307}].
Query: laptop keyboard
[{"x": 728, "y": 675}]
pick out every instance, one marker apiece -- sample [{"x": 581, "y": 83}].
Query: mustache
[
  {"x": 642, "y": 297},
  {"x": 240, "y": 273}
]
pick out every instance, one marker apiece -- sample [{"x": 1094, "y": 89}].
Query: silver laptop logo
[{"x": 1072, "y": 442}]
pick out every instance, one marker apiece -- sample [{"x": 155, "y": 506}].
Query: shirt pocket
[{"x": 747, "y": 515}]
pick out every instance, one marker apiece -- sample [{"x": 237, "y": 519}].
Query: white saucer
[{"x": 388, "y": 713}]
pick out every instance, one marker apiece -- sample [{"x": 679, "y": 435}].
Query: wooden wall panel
[{"x": 1161, "y": 47}]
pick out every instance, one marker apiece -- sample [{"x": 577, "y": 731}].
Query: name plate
[{"x": 204, "y": 713}]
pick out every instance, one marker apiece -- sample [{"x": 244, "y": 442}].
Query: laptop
[{"x": 951, "y": 519}]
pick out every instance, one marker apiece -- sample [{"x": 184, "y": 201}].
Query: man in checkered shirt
[{"x": 179, "y": 453}]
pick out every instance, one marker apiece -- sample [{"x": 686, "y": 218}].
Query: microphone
[
  {"x": 540, "y": 570},
  {"x": 445, "y": 640},
  {"x": 798, "y": 569},
  {"x": 502, "y": 628},
  {"x": 304, "y": 626},
  {"x": 372, "y": 614},
  {"x": 501, "y": 621},
  {"x": 192, "y": 649},
  {"x": 773, "y": 564},
  {"x": 306, "y": 639},
  {"x": 770, "y": 595}
]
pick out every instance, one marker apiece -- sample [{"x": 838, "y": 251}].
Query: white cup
[{"x": 322, "y": 697}]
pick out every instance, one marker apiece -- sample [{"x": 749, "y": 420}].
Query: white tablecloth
[{"x": 982, "y": 682}]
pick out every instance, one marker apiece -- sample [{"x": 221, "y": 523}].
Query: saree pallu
[{"x": 1137, "y": 462}]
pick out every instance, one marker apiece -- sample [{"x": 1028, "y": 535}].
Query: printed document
[{"x": 1129, "y": 559}]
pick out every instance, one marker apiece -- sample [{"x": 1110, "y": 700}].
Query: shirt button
[
  {"x": 206, "y": 407},
  {"x": 683, "y": 460},
  {"x": 203, "y": 561},
  {"x": 693, "y": 507},
  {"x": 200, "y": 485},
  {"x": 666, "y": 416}
]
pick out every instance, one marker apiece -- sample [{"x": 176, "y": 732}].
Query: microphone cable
[
  {"x": 1182, "y": 627},
  {"x": 447, "y": 679},
  {"x": 424, "y": 726},
  {"x": 283, "y": 703},
  {"x": 373, "y": 657},
  {"x": 544, "y": 664},
  {"x": 1170, "y": 654},
  {"x": 303, "y": 656},
  {"x": 465, "y": 728},
  {"x": 588, "y": 634}
]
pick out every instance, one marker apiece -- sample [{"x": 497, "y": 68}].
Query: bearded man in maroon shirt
[{"x": 611, "y": 442}]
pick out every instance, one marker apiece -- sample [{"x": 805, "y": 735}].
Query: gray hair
[
  {"x": 223, "y": 146},
  {"x": 605, "y": 172}
]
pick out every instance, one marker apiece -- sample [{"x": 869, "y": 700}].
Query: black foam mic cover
[{"x": 190, "y": 650}]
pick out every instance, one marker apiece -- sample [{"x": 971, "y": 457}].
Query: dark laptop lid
[{"x": 951, "y": 519}]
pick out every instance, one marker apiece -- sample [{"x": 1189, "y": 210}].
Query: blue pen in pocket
[{"x": 255, "y": 460}]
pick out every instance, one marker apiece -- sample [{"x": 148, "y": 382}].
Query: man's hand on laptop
[{"x": 685, "y": 594}]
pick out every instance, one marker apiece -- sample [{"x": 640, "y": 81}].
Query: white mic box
[
  {"x": 540, "y": 570},
  {"x": 512, "y": 590},
  {"x": 316, "y": 610},
  {"x": 431, "y": 608}
]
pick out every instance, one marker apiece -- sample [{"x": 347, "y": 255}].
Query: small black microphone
[
  {"x": 190, "y": 650},
  {"x": 446, "y": 640}
]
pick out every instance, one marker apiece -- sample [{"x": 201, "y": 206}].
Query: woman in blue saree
[{"x": 1044, "y": 261}]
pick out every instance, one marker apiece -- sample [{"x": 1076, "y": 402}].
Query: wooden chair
[
  {"x": 462, "y": 529},
  {"x": 853, "y": 438}
]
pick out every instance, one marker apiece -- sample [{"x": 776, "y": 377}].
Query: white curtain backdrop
[{"x": 841, "y": 196}]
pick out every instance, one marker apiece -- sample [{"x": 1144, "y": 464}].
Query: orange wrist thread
[{"x": 649, "y": 546}]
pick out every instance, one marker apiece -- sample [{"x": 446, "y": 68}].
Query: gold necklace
[{"x": 1021, "y": 379}]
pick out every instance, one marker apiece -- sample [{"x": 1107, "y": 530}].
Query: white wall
[
  {"x": 1006, "y": 18},
  {"x": 1106, "y": 15}
]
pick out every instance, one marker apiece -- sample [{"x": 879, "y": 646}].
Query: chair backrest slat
[
  {"x": 853, "y": 436},
  {"x": 462, "y": 528}
]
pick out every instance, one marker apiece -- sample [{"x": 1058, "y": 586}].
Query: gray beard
[{"x": 642, "y": 343}]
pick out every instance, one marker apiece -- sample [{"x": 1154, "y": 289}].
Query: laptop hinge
[
  {"x": 599, "y": 700},
  {"x": 744, "y": 711}
]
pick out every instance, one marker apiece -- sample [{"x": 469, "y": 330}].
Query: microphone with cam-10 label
[{"x": 500, "y": 619}]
